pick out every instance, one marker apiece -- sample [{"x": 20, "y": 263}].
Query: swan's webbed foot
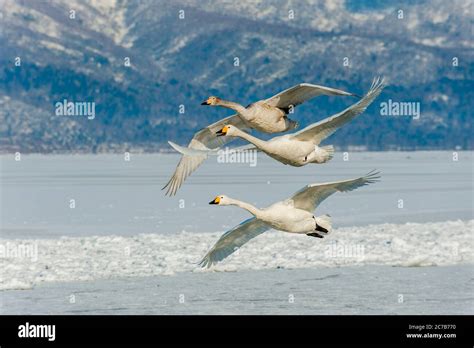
[
  {"x": 321, "y": 229},
  {"x": 314, "y": 234}
]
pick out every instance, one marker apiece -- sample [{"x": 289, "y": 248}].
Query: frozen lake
[
  {"x": 344, "y": 290},
  {"x": 124, "y": 238},
  {"x": 113, "y": 196}
]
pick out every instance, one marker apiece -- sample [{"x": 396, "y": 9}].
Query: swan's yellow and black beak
[
  {"x": 206, "y": 102},
  {"x": 215, "y": 201},
  {"x": 222, "y": 132}
]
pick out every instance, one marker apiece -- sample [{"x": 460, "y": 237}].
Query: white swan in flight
[
  {"x": 294, "y": 215},
  {"x": 302, "y": 147},
  {"x": 270, "y": 115},
  {"x": 267, "y": 116}
]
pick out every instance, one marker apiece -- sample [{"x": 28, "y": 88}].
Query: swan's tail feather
[
  {"x": 292, "y": 124},
  {"x": 329, "y": 149},
  {"x": 323, "y": 223}
]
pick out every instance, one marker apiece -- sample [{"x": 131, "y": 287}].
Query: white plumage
[
  {"x": 302, "y": 147},
  {"x": 268, "y": 116},
  {"x": 294, "y": 215}
]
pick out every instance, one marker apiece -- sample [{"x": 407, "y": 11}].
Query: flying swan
[
  {"x": 294, "y": 215},
  {"x": 302, "y": 147},
  {"x": 268, "y": 116}
]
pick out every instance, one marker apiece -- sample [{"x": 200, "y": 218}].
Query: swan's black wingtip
[
  {"x": 373, "y": 176},
  {"x": 168, "y": 192},
  {"x": 205, "y": 263}
]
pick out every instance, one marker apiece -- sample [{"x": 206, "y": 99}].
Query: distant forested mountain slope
[{"x": 180, "y": 52}]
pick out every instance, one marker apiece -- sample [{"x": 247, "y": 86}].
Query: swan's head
[
  {"x": 227, "y": 130},
  {"x": 212, "y": 100},
  {"x": 221, "y": 200}
]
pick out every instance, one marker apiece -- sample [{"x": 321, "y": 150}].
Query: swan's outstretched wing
[
  {"x": 300, "y": 93},
  {"x": 319, "y": 131},
  {"x": 205, "y": 139},
  {"x": 233, "y": 239},
  {"x": 309, "y": 197}
]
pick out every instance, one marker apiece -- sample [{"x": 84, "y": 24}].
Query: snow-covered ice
[{"x": 105, "y": 257}]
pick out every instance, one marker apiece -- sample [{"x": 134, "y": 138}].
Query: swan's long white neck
[
  {"x": 247, "y": 206},
  {"x": 262, "y": 144},
  {"x": 231, "y": 105}
]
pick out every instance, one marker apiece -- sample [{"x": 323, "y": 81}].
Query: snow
[
  {"x": 55, "y": 46},
  {"x": 106, "y": 257}
]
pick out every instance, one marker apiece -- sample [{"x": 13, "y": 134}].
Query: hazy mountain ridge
[{"x": 181, "y": 61}]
